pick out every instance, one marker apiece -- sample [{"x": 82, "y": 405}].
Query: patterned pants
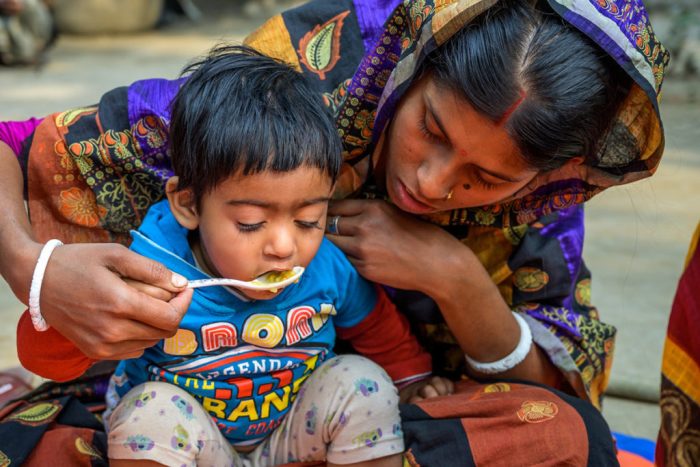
[{"x": 331, "y": 419}]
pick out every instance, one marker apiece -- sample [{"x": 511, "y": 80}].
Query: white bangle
[
  {"x": 510, "y": 360},
  {"x": 37, "y": 279}
]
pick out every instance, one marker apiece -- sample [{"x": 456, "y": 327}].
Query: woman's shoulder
[{"x": 323, "y": 39}]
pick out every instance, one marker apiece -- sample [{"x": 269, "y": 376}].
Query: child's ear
[{"x": 182, "y": 204}]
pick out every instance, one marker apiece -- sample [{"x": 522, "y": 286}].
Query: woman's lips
[{"x": 408, "y": 203}]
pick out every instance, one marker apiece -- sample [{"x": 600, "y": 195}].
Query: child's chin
[{"x": 260, "y": 294}]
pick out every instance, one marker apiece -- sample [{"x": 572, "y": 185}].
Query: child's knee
[
  {"x": 160, "y": 417},
  {"x": 352, "y": 380},
  {"x": 154, "y": 398},
  {"x": 345, "y": 367}
]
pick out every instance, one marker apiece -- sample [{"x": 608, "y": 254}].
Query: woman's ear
[{"x": 182, "y": 204}]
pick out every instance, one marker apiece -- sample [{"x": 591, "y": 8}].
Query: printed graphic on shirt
[{"x": 245, "y": 372}]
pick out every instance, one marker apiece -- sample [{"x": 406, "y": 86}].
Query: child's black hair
[{"x": 242, "y": 111}]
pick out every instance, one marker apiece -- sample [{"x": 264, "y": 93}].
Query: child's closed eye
[
  {"x": 309, "y": 225},
  {"x": 250, "y": 227}
]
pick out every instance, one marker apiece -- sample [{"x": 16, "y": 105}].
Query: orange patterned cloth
[{"x": 679, "y": 437}]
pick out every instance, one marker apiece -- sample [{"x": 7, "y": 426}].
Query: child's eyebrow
[{"x": 267, "y": 204}]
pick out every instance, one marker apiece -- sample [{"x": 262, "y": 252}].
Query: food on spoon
[{"x": 274, "y": 277}]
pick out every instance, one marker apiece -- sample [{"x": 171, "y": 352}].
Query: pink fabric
[{"x": 14, "y": 133}]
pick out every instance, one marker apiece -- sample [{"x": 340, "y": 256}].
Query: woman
[{"x": 486, "y": 124}]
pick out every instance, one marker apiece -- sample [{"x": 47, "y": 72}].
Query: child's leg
[
  {"x": 160, "y": 422},
  {"x": 347, "y": 412}
]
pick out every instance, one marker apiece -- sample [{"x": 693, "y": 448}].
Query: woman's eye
[
  {"x": 309, "y": 225},
  {"x": 249, "y": 227},
  {"x": 483, "y": 183},
  {"x": 423, "y": 127}
]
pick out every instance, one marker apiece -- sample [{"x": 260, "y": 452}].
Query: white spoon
[{"x": 271, "y": 281}]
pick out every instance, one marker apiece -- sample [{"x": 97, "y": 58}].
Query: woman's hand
[
  {"x": 86, "y": 296},
  {"x": 390, "y": 247}
]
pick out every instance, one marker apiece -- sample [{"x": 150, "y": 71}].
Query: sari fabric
[
  {"x": 109, "y": 162},
  {"x": 93, "y": 172},
  {"x": 679, "y": 436}
]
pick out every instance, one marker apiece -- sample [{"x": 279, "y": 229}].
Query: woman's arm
[
  {"x": 84, "y": 295},
  {"x": 18, "y": 250},
  {"x": 393, "y": 248},
  {"x": 484, "y": 336}
]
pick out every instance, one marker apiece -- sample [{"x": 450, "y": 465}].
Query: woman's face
[{"x": 438, "y": 144}]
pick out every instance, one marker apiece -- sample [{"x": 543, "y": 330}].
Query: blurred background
[{"x": 58, "y": 54}]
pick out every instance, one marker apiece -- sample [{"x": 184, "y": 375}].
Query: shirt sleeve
[
  {"x": 384, "y": 336},
  {"x": 49, "y": 354},
  {"x": 14, "y": 133}
]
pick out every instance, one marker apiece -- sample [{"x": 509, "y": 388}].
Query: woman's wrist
[{"x": 17, "y": 263}]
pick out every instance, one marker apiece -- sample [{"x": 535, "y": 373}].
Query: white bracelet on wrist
[
  {"x": 35, "y": 289},
  {"x": 510, "y": 360}
]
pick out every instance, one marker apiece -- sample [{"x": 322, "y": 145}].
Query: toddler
[{"x": 250, "y": 377}]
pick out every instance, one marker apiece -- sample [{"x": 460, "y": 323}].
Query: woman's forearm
[
  {"x": 480, "y": 319},
  {"x": 18, "y": 250}
]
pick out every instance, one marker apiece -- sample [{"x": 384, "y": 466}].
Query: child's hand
[{"x": 431, "y": 387}]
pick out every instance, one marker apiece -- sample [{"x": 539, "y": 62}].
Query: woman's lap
[{"x": 506, "y": 423}]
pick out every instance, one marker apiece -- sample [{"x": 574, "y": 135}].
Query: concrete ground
[{"x": 637, "y": 235}]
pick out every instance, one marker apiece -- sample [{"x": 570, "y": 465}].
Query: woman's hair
[
  {"x": 241, "y": 111},
  {"x": 551, "y": 87}
]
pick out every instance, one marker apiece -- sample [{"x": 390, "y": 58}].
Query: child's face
[{"x": 253, "y": 224}]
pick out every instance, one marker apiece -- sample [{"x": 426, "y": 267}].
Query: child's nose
[{"x": 281, "y": 244}]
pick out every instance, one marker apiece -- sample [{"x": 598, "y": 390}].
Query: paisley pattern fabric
[
  {"x": 55, "y": 424},
  {"x": 93, "y": 172}
]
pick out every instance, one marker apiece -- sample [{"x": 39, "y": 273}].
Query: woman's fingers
[
  {"x": 347, "y": 207},
  {"x": 137, "y": 267},
  {"x": 120, "y": 350},
  {"x": 150, "y": 290},
  {"x": 348, "y": 245},
  {"x": 160, "y": 314},
  {"x": 344, "y": 226}
]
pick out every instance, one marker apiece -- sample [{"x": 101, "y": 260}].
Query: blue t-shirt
[{"x": 245, "y": 360}]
